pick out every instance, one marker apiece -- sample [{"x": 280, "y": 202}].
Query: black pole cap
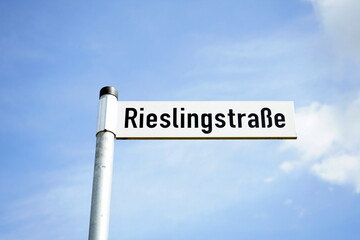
[{"x": 109, "y": 90}]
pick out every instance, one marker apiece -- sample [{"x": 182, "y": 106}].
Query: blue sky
[{"x": 57, "y": 55}]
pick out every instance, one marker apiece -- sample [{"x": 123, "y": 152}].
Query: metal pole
[{"x": 101, "y": 191}]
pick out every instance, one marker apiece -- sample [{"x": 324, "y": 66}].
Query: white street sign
[{"x": 204, "y": 120}]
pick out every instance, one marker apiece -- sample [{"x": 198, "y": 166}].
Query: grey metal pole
[{"x": 101, "y": 191}]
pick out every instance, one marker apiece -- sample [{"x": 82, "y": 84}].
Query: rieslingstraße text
[{"x": 135, "y": 118}]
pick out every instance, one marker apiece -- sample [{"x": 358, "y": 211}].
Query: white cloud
[
  {"x": 340, "y": 19},
  {"x": 318, "y": 129},
  {"x": 289, "y": 166},
  {"x": 328, "y": 140},
  {"x": 342, "y": 169}
]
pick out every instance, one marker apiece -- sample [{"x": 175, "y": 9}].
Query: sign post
[
  {"x": 101, "y": 192},
  {"x": 175, "y": 120}
]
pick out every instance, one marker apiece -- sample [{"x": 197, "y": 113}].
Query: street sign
[{"x": 204, "y": 120}]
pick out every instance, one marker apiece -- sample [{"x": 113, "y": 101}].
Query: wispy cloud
[
  {"x": 52, "y": 212},
  {"x": 274, "y": 66},
  {"x": 156, "y": 184}
]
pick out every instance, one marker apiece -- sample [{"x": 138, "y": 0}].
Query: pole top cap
[{"x": 109, "y": 90}]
